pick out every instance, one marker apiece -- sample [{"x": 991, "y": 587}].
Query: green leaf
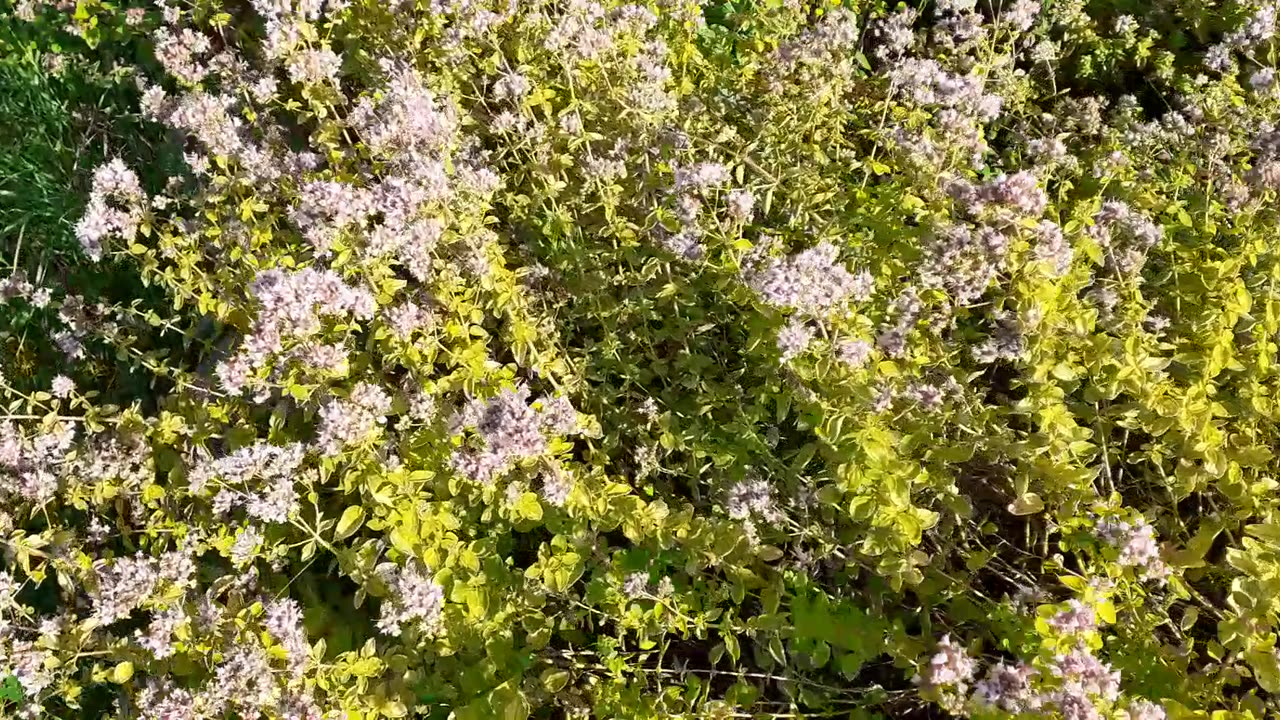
[
  {"x": 1075, "y": 582},
  {"x": 803, "y": 457},
  {"x": 783, "y": 401},
  {"x": 769, "y": 553},
  {"x": 394, "y": 709},
  {"x": 529, "y": 507},
  {"x": 555, "y": 680},
  {"x": 1189, "y": 618},
  {"x": 510, "y": 704},
  {"x": 851, "y": 664},
  {"x": 351, "y": 520},
  {"x": 1107, "y": 612},
  {"x": 821, "y": 654},
  {"x": 403, "y": 541},
  {"x": 731, "y": 644},
  {"x": 1265, "y": 669},
  {"x": 1266, "y": 532},
  {"x": 1029, "y": 504}
]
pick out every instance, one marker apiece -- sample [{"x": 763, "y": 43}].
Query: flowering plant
[{"x": 662, "y": 359}]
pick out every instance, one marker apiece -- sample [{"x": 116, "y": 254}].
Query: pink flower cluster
[{"x": 116, "y": 208}]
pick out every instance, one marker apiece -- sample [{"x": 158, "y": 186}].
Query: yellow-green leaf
[
  {"x": 1029, "y": 504},
  {"x": 351, "y": 520},
  {"x": 528, "y": 507}
]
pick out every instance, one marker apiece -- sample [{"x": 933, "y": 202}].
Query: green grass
[{"x": 55, "y": 128}]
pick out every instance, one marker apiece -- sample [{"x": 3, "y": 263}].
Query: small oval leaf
[
  {"x": 1028, "y": 504},
  {"x": 351, "y": 520}
]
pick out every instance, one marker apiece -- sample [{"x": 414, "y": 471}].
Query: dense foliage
[{"x": 570, "y": 358}]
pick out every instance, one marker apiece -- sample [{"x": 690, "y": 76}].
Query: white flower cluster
[
  {"x": 1137, "y": 544},
  {"x": 117, "y": 206},
  {"x": 510, "y": 430},
  {"x": 292, "y": 305},
  {"x": 415, "y": 598},
  {"x": 350, "y": 420},
  {"x": 812, "y": 281}
]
